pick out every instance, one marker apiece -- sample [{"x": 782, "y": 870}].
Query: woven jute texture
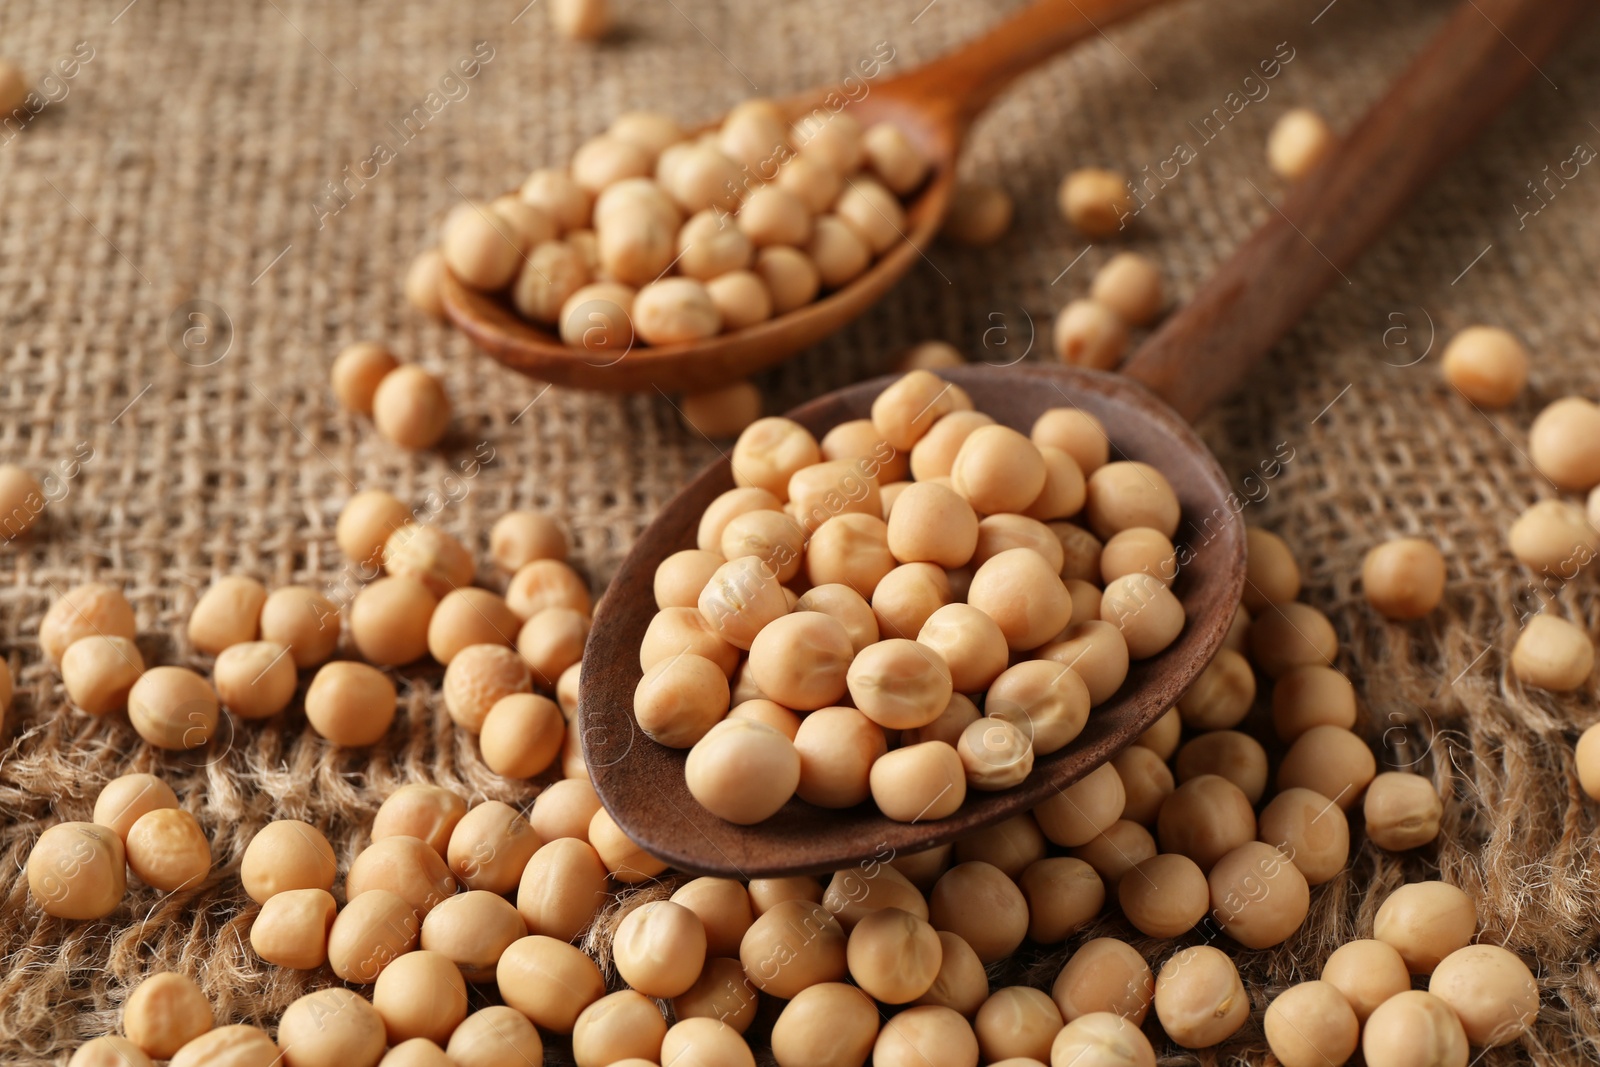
[{"x": 188, "y": 158}]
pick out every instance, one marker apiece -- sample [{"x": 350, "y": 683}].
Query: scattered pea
[
  {"x": 173, "y": 708},
  {"x": 1551, "y": 653},
  {"x": 1095, "y": 201},
  {"x": 1299, "y": 140},
  {"x": 1425, "y": 922},
  {"x": 99, "y": 671},
  {"x": 1311, "y": 1025},
  {"x": 331, "y": 1028},
  {"x": 420, "y": 994},
  {"x": 1413, "y": 1028},
  {"x": 1402, "y": 811},
  {"x": 286, "y": 854},
  {"x": 1564, "y": 443},
  {"x": 167, "y": 850},
  {"x": 165, "y": 1012},
  {"x": 77, "y": 870},
  {"x": 291, "y": 929},
  {"x": 1089, "y": 334},
  {"x": 92, "y": 609},
  {"x": 1490, "y": 990},
  {"x": 1367, "y": 973},
  {"x": 1199, "y": 998},
  {"x": 1487, "y": 365}
]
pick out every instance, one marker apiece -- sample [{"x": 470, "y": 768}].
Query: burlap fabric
[{"x": 188, "y": 158}]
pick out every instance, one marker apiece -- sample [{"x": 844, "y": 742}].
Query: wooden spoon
[
  {"x": 934, "y": 105},
  {"x": 1462, "y": 77}
]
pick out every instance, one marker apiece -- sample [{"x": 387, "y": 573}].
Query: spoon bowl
[
  {"x": 933, "y": 105},
  {"x": 642, "y": 782}
]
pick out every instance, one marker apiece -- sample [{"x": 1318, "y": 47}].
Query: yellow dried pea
[
  {"x": 830, "y": 1024},
  {"x": 1491, "y": 991},
  {"x": 742, "y": 771},
  {"x": 411, "y": 408},
  {"x": 390, "y": 620},
  {"x": 1165, "y": 895},
  {"x": 926, "y": 1034},
  {"x": 1104, "y": 975},
  {"x": 99, "y": 671},
  {"x": 1487, "y": 365},
  {"x": 419, "y": 810},
  {"x": 228, "y": 613},
  {"x": 620, "y": 1027},
  {"x": 255, "y": 680},
  {"x": 357, "y": 370},
  {"x": 302, "y": 620},
  {"x": 350, "y": 704},
  {"x": 173, "y": 708},
  {"x": 1331, "y": 761},
  {"x": 1312, "y": 695},
  {"x": 229, "y": 1046},
  {"x": 470, "y": 616},
  {"x": 1199, "y": 998},
  {"x": 1303, "y": 823},
  {"x": 490, "y": 846},
  {"x": 545, "y": 583},
  {"x": 1402, "y": 811},
  {"x": 122, "y": 801},
  {"x": 1403, "y": 578},
  {"x": 1564, "y": 443},
  {"x": 77, "y": 870},
  {"x": 1271, "y": 574},
  {"x": 1095, "y": 201},
  {"x": 167, "y": 850},
  {"x": 430, "y": 555},
  {"x": 1205, "y": 818},
  {"x": 1258, "y": 896},
  {"x": 549, "y": 981},
  {"x": 1413, "y": 1027},
  {"x": 626, "y": 861},
  {"x": 423, "y": 280},
  {"x": 1425, "y": 922},
  {"x": 1285, "y": 636},
  {"x": 420, "y": 994},
  {"x": 291, "y": 929},
  {"x": 1233, "y": 755},
  {"x": 365, "y": 523},
  {"x": 521, "y": 735},
  {"x": 1553, "y": 654},
  {"x": 479, "y": 676},
  {"x": 725, "y": 412},
  {"x": 1098, "y": 1038},
  {"x": 165, "y": 1012},
  {"x": 92, "y": 609},
  {"x": 1311, "y": 1025},
  {"x": 1556, "y": 536},
  {"x": 1366, "y": 973},
  {"x": 980, "y": 214},
  {"x": 286, "y": 854},
  {"x": 1063, "y": 895},
  {"x": 1089, "y": 334},
  {"x": 22, "y": 498},
  {"x": 331, "y": 1028},
  {"x": 1298, "y": 141},
  {"x": 372, "y": 930}
]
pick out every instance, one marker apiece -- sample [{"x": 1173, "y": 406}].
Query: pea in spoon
[
  {"x": 934, "y": 105},
  {"x": 1483, "y": 54}
]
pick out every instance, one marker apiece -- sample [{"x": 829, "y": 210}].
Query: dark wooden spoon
[
  {"x": 934, "y": 105},
  {"x": 1464, "y": 75}
]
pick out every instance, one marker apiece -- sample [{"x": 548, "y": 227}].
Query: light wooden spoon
[
  {"x": 934, "y": 105},
  {"x": 1202, "y": 353}
]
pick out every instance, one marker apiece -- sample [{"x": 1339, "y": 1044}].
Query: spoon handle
[
  {"x": 962, "y": 83},
  {"x": 1485, "y": 52}
]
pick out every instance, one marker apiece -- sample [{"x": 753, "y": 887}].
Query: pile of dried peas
[
  {"x": 449, "y": 896},
  {"x": 656, "y": 236}
]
